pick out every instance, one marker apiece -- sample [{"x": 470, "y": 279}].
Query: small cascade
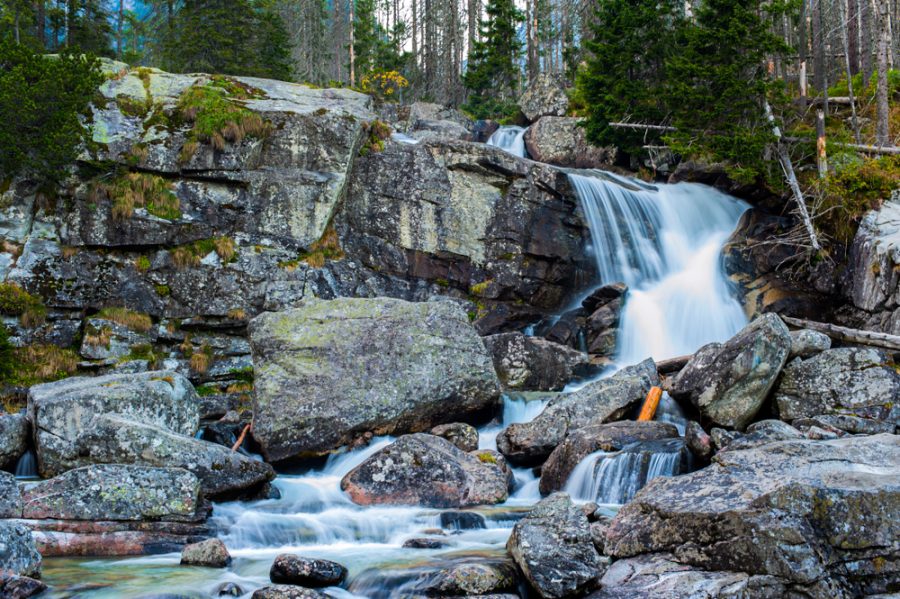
[
  {"x": 669, "y": 411},
  {"x": 403, "y": 138},
  {"x": 664, "y": 242},
  {"x": 615, "y": 477},
  {"x": 509, "y": 138},
  {"x": 26, "y": 467}
]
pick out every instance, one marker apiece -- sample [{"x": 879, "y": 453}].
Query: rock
[
  {"x": 467, "y": 577},
  {"x": 18, "y": 555},
  {"x": 660, "y": 576},
  {"x": 20, "y": 587},
  {"x": 850, "y": 424},
  {"x": 800, "y": 510},
  {"x": 223, "y": 473},
  {"x": 116, "y": 492},
  {"x": 532, "y": 363},
  {"x": 545, "y": 96},
  {"x": 553, "y": 548},
  {"x": 462, "y": 520},
  {"x": 698, "y": 442},
  {"x": 109, "y": 538},
  {"x": 464, "y": 436},
  {"x": 721, "y": 438},
  {"x": 729, "y": 382},
  {"x": 598, "y": 535},
  {"x": 583, "y": 441},
  {"x": 561, "y": 141},
  {"x": 211, "y": 553},
  {"x": 596, "y": 403},
  {"x": 762, "y": 432},
  {"x": 873, "y": 255},
  {"x": 330, "y": 371},
  {"x": 13, "y": 438},
  {"x": 424, "y": 543},
  {"x": 806, "y": 343},
  {"x": 286, "y": 591},
  {"x": 846, "y": 380},
  {"x": 10, "y": 496},
  {"x": 604, "y": 307},
  {"x": 303, "y": 571},
  {"x": 422, "y": 130},
  {"x": 61, "y": 412},
  {"x": 228, "y": 589},
  {"x": 429, "y": 471},
  {"x": 107, "y": 340}
]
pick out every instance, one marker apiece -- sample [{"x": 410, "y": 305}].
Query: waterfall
[
  {"x": 615, "y": 477},
  {"x": 26, "y": 467},
  {"x": 664, "y": 242},
  {"x": 510, "y": 139}
]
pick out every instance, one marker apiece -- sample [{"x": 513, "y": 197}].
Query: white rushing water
[
  {"x": 664, "y": 242},
  {"x": 509, "y": 138}
]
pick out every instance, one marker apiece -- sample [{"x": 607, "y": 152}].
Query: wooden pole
[
  {"x": 821, "y": 155},
  {"x": 846, "y": 334},
  {"x": 648, "y": 410}
]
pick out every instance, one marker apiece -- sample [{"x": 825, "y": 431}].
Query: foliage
[
  {"x": 42, "y": 102},
  {"x": 15, "y": 301},
  {"x": 130, "y": 319},
  {"x": 33, "y": 364},
  {"x": 384, "y": 85},
  {"x": 377, "y": 132},
  {"x": 493, "y": 71},
  {"x": 141, "y": 190}
]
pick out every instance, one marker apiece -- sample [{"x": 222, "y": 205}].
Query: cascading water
[
  {"x": 26, "y": 467},
  {"x": 509, "y": 138}
]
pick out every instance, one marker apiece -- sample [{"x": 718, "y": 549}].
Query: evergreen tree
[
  {"x": 90, "y": 29},
  {"x": 493, "y": 71}
]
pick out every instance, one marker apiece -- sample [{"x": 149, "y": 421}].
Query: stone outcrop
[
  {"x": 821, "y": 515},
  {"x": 552, "y": 546},
  {"x": 806, "y": 343},
  {"x": 429, "y": 471},
  {"x": 464, "y": 436},
  {"x": 211, "y": 553},
  {"x": 468, "y": 577},
  {"x": 598, "y": 402},
  {"x": 331, "y": 371},
  {"x": 63, "y": 411},
  {"x": 545, "y": 96},
  {"x": 561, "y": 141},
  {"x": 729, "y": 382},
  {"x": 874, "y": 254},
  {"x": 13, "y": 438},
  {"x": 846, "y": 380},
  {"x": 18, "y": 555},
  {"x": 533, "y": 363}
]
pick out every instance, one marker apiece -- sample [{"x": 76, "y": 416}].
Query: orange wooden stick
[
  {"x": 241, "y": 438},
  {"x": 648, "y": 410}
]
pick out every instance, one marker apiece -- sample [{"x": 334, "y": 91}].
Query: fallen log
[
  {"x": 848, "y": 335},
  {"x": 648, "y": 410},
  {"x": 672, "y": 365}
]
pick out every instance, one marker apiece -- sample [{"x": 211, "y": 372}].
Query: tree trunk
[
  {"x": 882, "y": 125},
  {"x": 845, "y": 20},
  {"x": 352, "y": 51},
  {"x": 818, "y": 43},
  {"x": 119, "y": 24},
  {"x": 848, "y": 335},
  {"x": 866, "y": 37},
  {"x": 852, "y": 31}
]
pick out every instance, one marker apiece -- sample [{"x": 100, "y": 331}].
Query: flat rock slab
[{"x": 331, "y": 371}]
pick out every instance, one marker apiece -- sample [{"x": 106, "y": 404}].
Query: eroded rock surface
[{"x": 533, "y": 363}]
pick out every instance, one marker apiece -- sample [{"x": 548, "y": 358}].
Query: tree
[
  {"x": 493, "y": 71},
  {"x": 42, "y": 102},
  {"x": 89, "y": 27},
  {"x": 882, "y": 118},
  {"x": 625, "y": 71}
]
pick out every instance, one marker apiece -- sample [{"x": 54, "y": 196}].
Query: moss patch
[{"x": 15, "y": 301}]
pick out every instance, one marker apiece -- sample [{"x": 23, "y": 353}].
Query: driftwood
[
  {"x": 672, "y": 365},
  {"x": 648, "y": 410},
  {"x": 240, "y": 439},
  {"x": 848, "y": 335}
]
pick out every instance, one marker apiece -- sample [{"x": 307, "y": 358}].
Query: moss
[
  {"x": 242, "y": 374},
  {"x": 377, "y": 132},
  {"x": 143, "y": 351},
  {"x": 208, "y": 389},
  {"x": 480, "y": 288},
  {"x": 162, "y": 290},
  {"x": 441, "y": 282},
  {"x": 136, "y": 321},
  {"x": 486, "y": 457},
  {"x": 15, "y": 301},
  {"x": 142, "y": 263}
]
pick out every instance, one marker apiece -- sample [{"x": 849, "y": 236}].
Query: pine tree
[
  {"x": 90, "y": 29},
  {"x": 493, "y": 71}
]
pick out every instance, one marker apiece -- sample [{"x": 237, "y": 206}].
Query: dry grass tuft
[{"x": 136, "y": 321}]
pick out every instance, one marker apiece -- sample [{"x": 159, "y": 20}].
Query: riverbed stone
[
  {"x": 18, "y": 555},
  {"x": 211, "y": 553},
  {"x": 20, "y": 587},
  {"x": 10, "y": 496},
  {"x": 329, "y": 372},
  {"x": 552, "y": 546},
  {"x": 307, "y": 572},
  {"x": 533, "y": 363},
  {"x": 847, "y": 380},
  {"x": 849, "y": 424},
  {"x": 597, "y": 402},
  {"x": 286, "y": 591},
  {"x": 729, "y": 382},
  {"x": 583, "y": 441},
  {"x": 698, "y": 441},
  {"x": 116, "y": 492},
  {"x": 13, "y": 438},
  {"x": 425, "y": 470},
  {"x": 806, "y": 343},
  {"x": 468, "y": 577},
  {"x": 464, "y": 436},
  {"x": 61, "y": 412},
  {"x": 823, "y": 515}
]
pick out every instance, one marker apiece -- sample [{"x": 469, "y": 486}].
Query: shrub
[{"x": 383, "y": 84}]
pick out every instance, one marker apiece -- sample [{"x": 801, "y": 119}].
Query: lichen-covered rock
[
  {"x": 846, "y": 380},
  {"x": 211, "y": 553},
  {"x": 561, "y": 141},
  {"x": 108, "y": 340},
  {"x": 20, "y": 587},
  {"x": 464, "y": 436},
  {"x": 553, "y": 548},
  {"x": 116, "y": 492},
  {"x": 10, "y": 496},
  {"x": 467, "y": 577},
  {"x": 13, "y": 438},
  {"x": 806, "y": 343},
  {"x": 532, "y": 363},
  {"x": 330, "y": 371},
  {"x": 583, "y": 441},
  {"x": 822, "y": 515},
  {"x": 698, "y": 441},
  {"x": 849, "y": 424},
  {"x": 286, "y": 591},
  {"x": 223, "y": 473},
  {"x": 429, "y": 471},
  {"x": 598, "y": 402},
  {"x": 18, "y": 555},
  {"x": 545, "y": 96},
  {"x": 729, "y": 382},
  {"x": 873, "y": 256},
  {"x": 61, "y": 412},
  {"x": 307, "y": 572}
]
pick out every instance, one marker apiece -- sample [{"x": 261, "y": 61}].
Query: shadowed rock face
[
  {"x": 562, "y": 141},
  {"x": 331, "y": 371},
  {"x": 428, "y": 471},
  {"x": 822, "y": 515}
]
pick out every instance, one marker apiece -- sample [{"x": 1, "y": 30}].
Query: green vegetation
[
  {"x": 130, "y": 319},
  {"x": 33, "y": 364},
  {"x": 190, "y": 255},
  {"x": 15, "y": 301},
  {"x": 141, "y": 190},
  {"x": 492, "y": 75},
  {"x": 326, "y": 248},
  {"x": 377, "y": 132}
]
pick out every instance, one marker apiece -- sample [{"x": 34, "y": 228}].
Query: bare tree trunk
[
  {"x": 119, "y": 25},
  {"x": 41, "y": 22},
  {"x": 866, "y": 38},
  {"x": 882, "y": 125},
  {"x": 352, "y": 51},
  {"x": 818, "y": 43},
  {"x": 852, "y": 36},
  {"x": 844, "y": 37}
]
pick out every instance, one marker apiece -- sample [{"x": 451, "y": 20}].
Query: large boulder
[
  {"x": 874, "y": 256},
  {"x": 581, "y": 442},
  {"x": 729, "y": 382},
  {"x": 545, "y": 96},
  {"x": 211, "y": 553},
  {"x": 331, "y": 371},
  {"x": 116, "y": 492},
  {"x": 18, "y": 555},
  {"x": 467, "y": 577},
  {"x": 846, "y": 380},
  {"x": 13, "y": 438},
  {"x": 597, "y": 402},
  {"x": 308, "y": 572},
  {"x": 429, "y": 471},
  {"x": 553, "y": 548},
  {"x": 223, "y": 473},
  {"x": 823, "y": 515},
  {"x": 63, "y": 411},
  {"x": 532, "y": 363},
  {"x": 562, "y": 141}
]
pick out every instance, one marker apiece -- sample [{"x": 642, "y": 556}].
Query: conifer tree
[{"x": 493, "y": 72}]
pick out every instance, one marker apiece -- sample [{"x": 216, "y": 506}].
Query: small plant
[
  {"x": 97, "y": 337},
  {"x": 327, "y": 247},
  {"x": 384, "y": 85},
  {"x": 142, "y": 263},
  {"x": 15, "y": 301},
  {"x": 136, "y": 321},
  {"x": 486, "y": 457},
  {"x": 237, "y": 314},
  {"x": 42, "y": 363},
  {"x": 141, "y": 190},
  {"x": 239, "y": 388},
  {"x": 190, "y": 255},
  {"x": 143, "y": 351},
  {"x": 376, "y": 134},
  {"x": 480, "y": 288},
  {"x": 202, "y": 360},
  {"x": 162, "y": 290}
]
